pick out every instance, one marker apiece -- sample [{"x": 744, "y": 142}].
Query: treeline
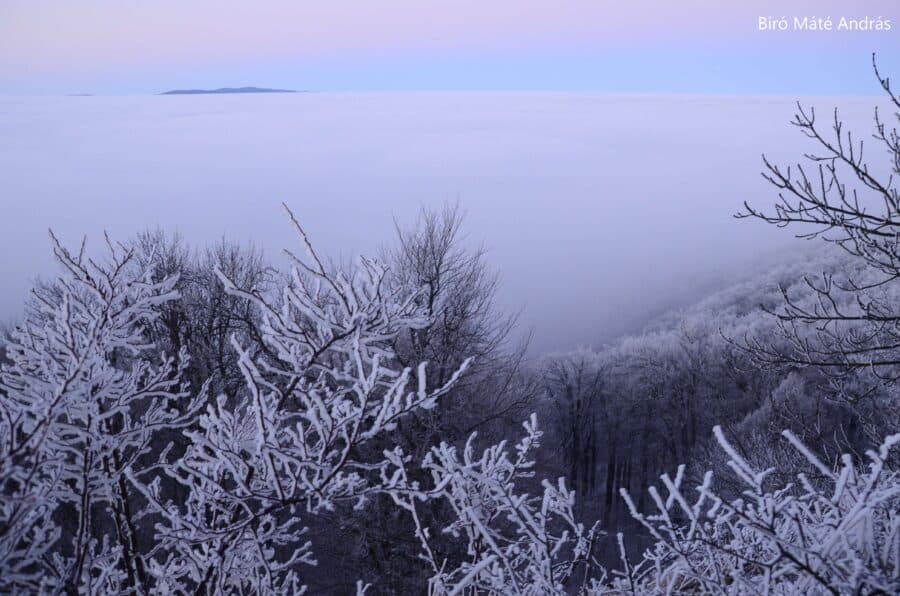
[{"x": 624, "y": 414}]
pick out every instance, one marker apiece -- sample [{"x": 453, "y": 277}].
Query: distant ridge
[{"x": 226, "y": 90}]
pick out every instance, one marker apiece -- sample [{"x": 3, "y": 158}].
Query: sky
[{"x": 693, "y": 46}]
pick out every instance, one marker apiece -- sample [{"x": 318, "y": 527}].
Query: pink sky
[
  {"x": 92, "y": 38},
  {"x": 45, "y": 34}
]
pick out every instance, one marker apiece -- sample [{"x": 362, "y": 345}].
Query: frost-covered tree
[
  {"x": 833, "y": 531},
  {"x": 297, "y": 440},
  {"x": 515, "y": 543},
  {"x": 457, "y": 292},
  {"x": 79, "y": 406}
]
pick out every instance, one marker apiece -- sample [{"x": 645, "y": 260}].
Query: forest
[{"x": 183, "y": 419}]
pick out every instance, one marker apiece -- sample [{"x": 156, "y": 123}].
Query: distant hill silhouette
[{"x": 226, "y": 90}]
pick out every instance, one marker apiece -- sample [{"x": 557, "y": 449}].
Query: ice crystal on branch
[
  {"x": 515, "y": 543},
  {"x": 837, "y": 532},
  {"x": 294, "y": 442},
  {"x": 80, "y": 403}
]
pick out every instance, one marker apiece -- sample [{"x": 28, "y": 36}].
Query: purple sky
[{"x": 115, "y": 47}]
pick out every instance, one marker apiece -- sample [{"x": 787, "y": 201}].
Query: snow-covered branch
[
  {"x": 295, "y": 441},
  {"x": 515, "y": 543},
  {"x": 79, "y": 404},
  {"x": 835, "y": 533}
]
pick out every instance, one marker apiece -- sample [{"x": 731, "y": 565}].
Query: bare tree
[
  {"x": 850, "y": 328},
  {"x": 206, "y": 316},
  {"x": 459, "y": 296},
  {"x": 574, "y": 384}
]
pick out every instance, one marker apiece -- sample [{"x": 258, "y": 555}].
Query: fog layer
[{"x": 598, "y": 210}]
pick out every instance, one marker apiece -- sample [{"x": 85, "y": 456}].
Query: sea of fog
[{"x": 598, "y": 210}]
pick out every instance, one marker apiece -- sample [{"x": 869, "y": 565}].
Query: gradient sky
[{"x": 129, "y": 47}]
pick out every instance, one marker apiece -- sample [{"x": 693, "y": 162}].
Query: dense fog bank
[{"x": 599, "y": 210}]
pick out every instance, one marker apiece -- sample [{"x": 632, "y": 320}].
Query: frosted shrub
[
  {"x": 516, "y": 543},
  {"x": 830, "y": 532}
]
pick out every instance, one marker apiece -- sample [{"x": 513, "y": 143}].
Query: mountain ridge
[{"x": 225, "y": 90}]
